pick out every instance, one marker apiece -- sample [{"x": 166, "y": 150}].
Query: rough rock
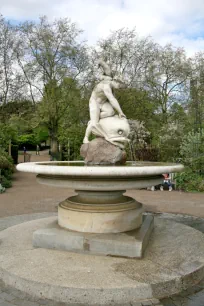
[{"x": 101, "y": 152}]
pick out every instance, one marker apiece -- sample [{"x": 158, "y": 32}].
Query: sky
[{"x": 180, "y": 22}]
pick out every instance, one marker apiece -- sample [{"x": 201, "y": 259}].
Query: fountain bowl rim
[{"x": 135, "y": 169}]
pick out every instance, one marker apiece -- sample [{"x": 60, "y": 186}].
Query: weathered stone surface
[
  {"x": 195, "y": 299},
  {"x": 101, "y": 152},
  {"x": 107, "y": 118},
  {"x": 109, "y": 218},
  {"x": 102, "y": 280},
  {"x": 130, "y": 244}
]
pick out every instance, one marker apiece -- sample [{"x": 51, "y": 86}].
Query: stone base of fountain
[
  {"x": 100, "y": 212},
  {"x": 128, "y": 244},
  {"x": 172, "y": 262},
  {"x": 98, "y": 222}
]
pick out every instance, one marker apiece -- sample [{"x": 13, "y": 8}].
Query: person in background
[
  {"x": 37, "y": 150},
  {"x": 167, "y": 180},
  {"x": 24, "y": 154}
]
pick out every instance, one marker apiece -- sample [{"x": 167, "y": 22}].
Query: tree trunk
[
  {"x": 53, "y": 142},
  {"x": 54, "y": 145}
]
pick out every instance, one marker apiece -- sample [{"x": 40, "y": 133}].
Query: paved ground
[
  {"x": 28, "y": 197},
  {"x": 12, "y": 297}
]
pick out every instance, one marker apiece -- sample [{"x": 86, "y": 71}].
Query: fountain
[
  {"x": 101, "y": 220},
  {"x": 100, "y": 206}
]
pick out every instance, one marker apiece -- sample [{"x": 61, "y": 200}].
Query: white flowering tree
[{"x": 138, "y": 136}]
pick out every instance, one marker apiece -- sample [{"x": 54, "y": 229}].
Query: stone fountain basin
[
  {"x": 100, "y": 205},
  {"x": 77, "y": 175}
]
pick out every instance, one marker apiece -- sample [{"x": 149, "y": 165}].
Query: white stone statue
[{"x": 107, "y": 118}]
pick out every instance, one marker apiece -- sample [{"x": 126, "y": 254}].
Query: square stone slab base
[{"x": 127, "y": 244}]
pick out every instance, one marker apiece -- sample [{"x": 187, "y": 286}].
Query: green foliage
[
  {"x": 6, "y": 183},
  {"x": 6, "y": 162},
  {"x": 61, "y": 106},
  {"x": 7, "y": 133},
  {"x": 22, "y": 125},
  {"x": 18, "y": 121},
  {"x": 7, "y": 168},
  {"x": 8, "y": 173},
  {"x": 169, "y": 139},
  {"x": 191, "y": 144},
  {"x": 20, "y": 109},
  {"x": 27, "y": 140},
  {"x": 192, "y": 150},
  {"x": 189, "y": 181},
  {"x": 52, "y": 58},
  {"x": 54, "y": 68},
  {"x": 138, "y": 105},
  {"x": 148, "y": 153},
  {"x": 41, "y": 134},
  {"x": 178, "y": 115},
  {"x": 65, "y": 114},
  {"x": 71, "y": 140}
]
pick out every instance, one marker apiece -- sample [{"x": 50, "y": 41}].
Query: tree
[
  {"x": 127, "y": 54},
  {"x": 61, "y": 106},
  {"x": 167, "y": 76},
  {"x": 144, "y": 65},
  {"x": 192, "y": 150},
  {"x": 196, "y": 105},
  {"x": 138, "y": 136},
  {"x": 19, "y": 108},
  {"x": 10, "y": 78},
  {"x": 48, "y": 53},
  {"x": 7, "y": 134},
  {"x": 74, "y": 120},
  {"x": 138, "y": 104}
]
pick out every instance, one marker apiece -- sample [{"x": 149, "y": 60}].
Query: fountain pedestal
[
  {"x": 128, "y": 244},
  {"x": 100, "y": 212},
  {"x": 98, "y": 222}
]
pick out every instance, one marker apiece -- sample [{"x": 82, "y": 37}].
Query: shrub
[
  {"x": 6, "y": 183},
  {"x": 147, "y": 153},
  {"x": 6, "y": 161},
  {"x": 8, "y": 173},
  {"x": 7, "y": 168},
  {"x": 192, "y": 150},
  {"x": 27, "y": 140},
  {"x": 189, "y": 181}
]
